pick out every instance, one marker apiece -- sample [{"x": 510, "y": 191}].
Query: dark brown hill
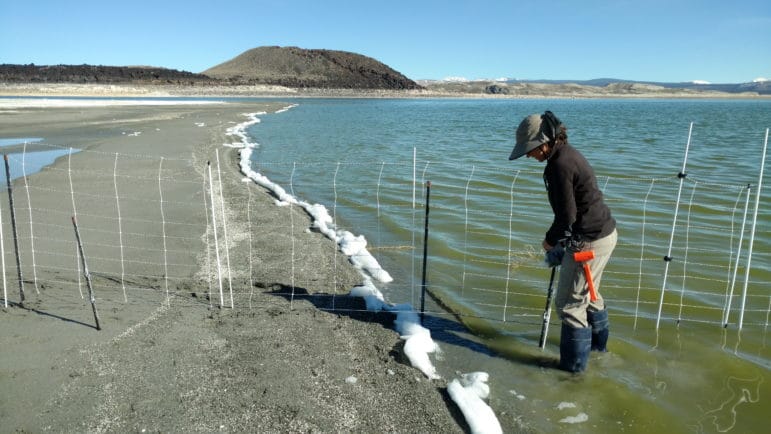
[
  {"x": 298, "y": 67},
  {"x": 97, "y": 74}
]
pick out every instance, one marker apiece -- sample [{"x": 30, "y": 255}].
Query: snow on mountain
[{"x": 455, "y": 79}]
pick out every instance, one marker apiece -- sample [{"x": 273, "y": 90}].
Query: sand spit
[{"x": 167, "y": 358}]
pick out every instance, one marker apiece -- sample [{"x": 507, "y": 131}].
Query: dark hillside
[
  {"x": 297, "y": 67},
  {"x": 97, "y": 74}
]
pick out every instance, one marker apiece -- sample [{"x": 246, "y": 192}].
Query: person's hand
[
  {"x": 553, "y": 257},
  {"x": 546, "y": 245}
]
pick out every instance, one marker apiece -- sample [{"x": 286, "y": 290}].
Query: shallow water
[
  {"x": 26, "y": 162},
  {"x": 672, "y": 366}
]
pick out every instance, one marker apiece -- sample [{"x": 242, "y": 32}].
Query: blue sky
[{"x": 652, "y": 40}]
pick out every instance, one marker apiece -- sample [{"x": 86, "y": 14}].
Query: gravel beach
[{"x": 168, "y": 358}]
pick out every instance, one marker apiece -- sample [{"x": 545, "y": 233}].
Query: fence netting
[{"x": 166, "y": 227}]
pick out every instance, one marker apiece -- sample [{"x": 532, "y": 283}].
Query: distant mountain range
[
  {"x": 605, "y": 85},
  {"x": 295, "y": 67},
  {"x": 761, "y": 87}
]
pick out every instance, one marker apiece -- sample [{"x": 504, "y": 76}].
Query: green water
[{"x": 673, "y": 366}]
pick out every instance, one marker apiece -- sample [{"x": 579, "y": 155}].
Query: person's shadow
[
  {"x": 354, "y": 307},
  {"x": 443, "y": 328}
]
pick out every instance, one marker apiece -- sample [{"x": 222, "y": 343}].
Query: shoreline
[
  {"x": 273, "y": 91},
  {"x": 174, "y": 364}
]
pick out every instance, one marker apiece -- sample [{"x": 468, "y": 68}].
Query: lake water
[
  {"x": 27, "y": 163},
  {"x": 673, "y": 366}
]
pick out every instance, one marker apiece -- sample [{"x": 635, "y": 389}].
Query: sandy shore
[{"x": 167, "y": 359}]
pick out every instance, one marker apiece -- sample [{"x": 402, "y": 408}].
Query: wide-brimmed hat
[{"x": 534, "y": 131}]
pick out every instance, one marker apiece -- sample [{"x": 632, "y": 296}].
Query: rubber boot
[
  {"x": 600, "y": 331},
  {"x": 575, "y": 344}
]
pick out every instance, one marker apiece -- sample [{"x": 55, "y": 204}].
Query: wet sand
[{"x": 168, "y": 358}]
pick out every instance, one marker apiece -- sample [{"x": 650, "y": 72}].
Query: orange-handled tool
[{"x": 582, "y": 257}]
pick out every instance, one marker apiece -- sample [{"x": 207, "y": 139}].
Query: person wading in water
[{"x": 582, "y": 223}]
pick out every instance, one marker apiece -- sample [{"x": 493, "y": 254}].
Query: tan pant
[{"x": 572, "y": 298}]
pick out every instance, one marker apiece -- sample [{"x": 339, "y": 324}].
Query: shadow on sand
[
  {"x": 49, "y": 315},
  {"x": 443, "y": 330}
]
